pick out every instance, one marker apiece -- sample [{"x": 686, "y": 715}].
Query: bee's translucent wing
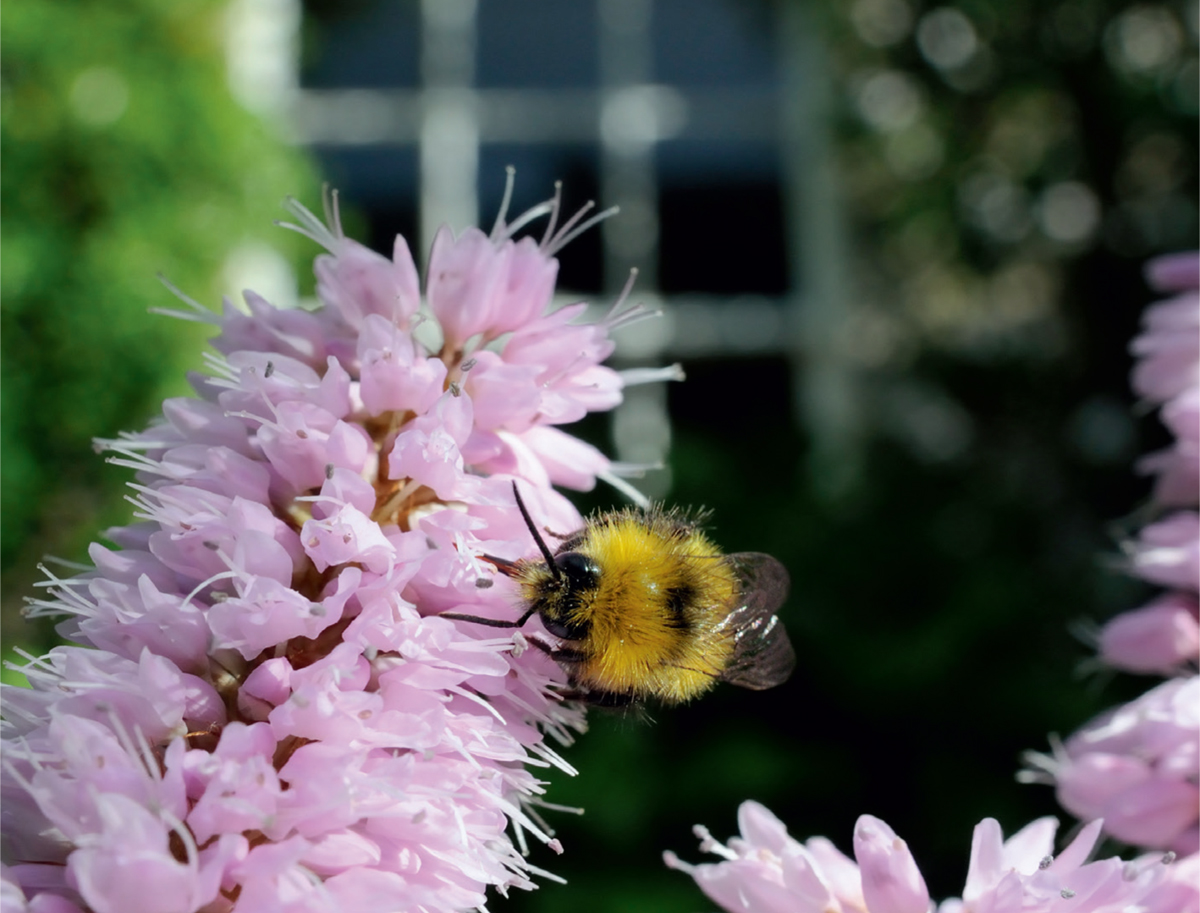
[{"x": 762, "y": 655}]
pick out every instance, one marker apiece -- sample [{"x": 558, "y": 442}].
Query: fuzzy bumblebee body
[{"x": 646, "y": 606}]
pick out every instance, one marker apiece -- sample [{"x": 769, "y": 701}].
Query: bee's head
[
  {"x": 575, "y": 572},
  {"x": 557, "y": 590}
]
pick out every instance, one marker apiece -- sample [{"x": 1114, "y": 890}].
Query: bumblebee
[{"x": 643, "y": 605}]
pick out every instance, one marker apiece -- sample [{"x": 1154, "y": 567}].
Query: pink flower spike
[
  {"x": 891, "y": 881},
  {"x": 1160, "y": 637},
  {"x": 258, "y": 713},
  {"x": 1168, "y": 552},
  {"x": 1174, "y": 272},
  {"x": 1168, "y": 350}
]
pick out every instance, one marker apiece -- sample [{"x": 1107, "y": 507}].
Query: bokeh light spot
[
  {"x": 882, "y": 23},
  {"x": 99, "y": 96},
  {"x": 947, "y": 38},
  {"x": 1068, "y": 212}
]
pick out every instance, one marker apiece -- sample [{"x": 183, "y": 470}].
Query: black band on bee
[{"x": 678, "y": 598}]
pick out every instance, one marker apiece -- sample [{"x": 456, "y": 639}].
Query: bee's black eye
[{"x": 580, "y": 571}]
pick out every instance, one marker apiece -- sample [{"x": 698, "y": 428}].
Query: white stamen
[
  {"x": 554, "y": 758},
  {"x": 126, "y": 440},
  {"x": 526, "y": 217},
  {"x": 519, "y": 643},
  {"x": 555, "y": 205},
  {"x": 554, "y": 807},
  {"x": 566, "y": 234},
  {"x": 510, "y": 176},
  {"x": 312, "y": 227},
  {"x": 532, "y": 812},
  {"x": 333, "y": 213},
  {"x": 633, "y": 377},
  {"x": 626, "y": 289},
  {"x": 570, "y": 223},
  {"x": 515, "y": 814},
  {"x": 624, "y": 488},
  {"x": 630, "y": 316},
  {"x": 1040, "y": 768},
  {"x": 522, "y": 843},
  {"x": 633, "y": 470},
  {"x": 710, "y": 844},
  {"x": 220, "y": 365},
  {"x": 198, "y": 314},
  {"x": 471, "y": 696},
  {"x": 224, "y": 575},
  {"x": 63, "y": 562},
  {"x": 549, "y": 876},
  {"x": 674, "y": 862},
  {"x": 32, "y": 661}
]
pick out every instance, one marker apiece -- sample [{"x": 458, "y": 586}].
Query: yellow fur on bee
[{"x": 654, "y": 618}]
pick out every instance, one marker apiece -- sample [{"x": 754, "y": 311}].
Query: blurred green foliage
[{"x": 125, "y": 156}]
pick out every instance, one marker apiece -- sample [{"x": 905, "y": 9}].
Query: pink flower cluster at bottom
[{"x": 766, "y": 871}]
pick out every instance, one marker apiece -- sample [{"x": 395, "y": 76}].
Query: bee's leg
[
  {"x": 490, "y": 622},
  {"x": 611, "y": 700},
  {"x": 568, "y": 657},
  {"x": 564, "y": 655},
  {"x": 605, "y": 700}
]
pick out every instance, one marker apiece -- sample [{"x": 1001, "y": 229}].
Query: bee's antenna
[{"x": 536, "y": 536}]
